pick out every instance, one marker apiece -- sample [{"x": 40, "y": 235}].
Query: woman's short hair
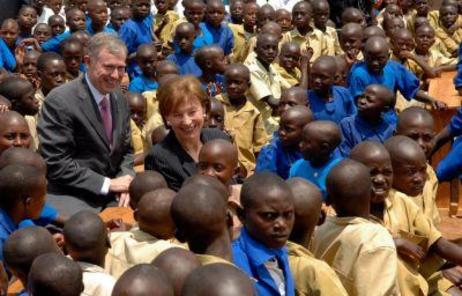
[{"x": 180, "y": 90}]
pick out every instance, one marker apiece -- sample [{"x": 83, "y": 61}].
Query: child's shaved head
[
  {"x": 373, "y": 31},
  {"x": 143, "y": 279},
  {"x": 55, "y": 275},
  {"x": 307, "y": 206},
  {"x": 22, "y": 156},
  {"x": 219, "y": 154},
  {"x": 349, "y": 189},
  {"x": 200, "y": 214},
  {"x": 207, "y": 181},
  {"x": 353, "y": 15},
  {"x": 143, "y": 183},
  {"x": 177, "y": 264},
  {"x": 86, "y": 239},
  {"x": 409, "y": 165},
  {"x": 324, "y": 130},
  {"x": 218, "y": 279},
  {"x": 291, "y": 125},
  {"x": 272, "y": 28},
  {"x": 291, "y": 97},
  {"x": 417, "y": 124},
  {"x": 23, "y": 246},
  {"x": 153, "y": 213}
]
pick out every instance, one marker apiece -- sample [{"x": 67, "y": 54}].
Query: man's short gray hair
[{"x": 107, "y": 41}]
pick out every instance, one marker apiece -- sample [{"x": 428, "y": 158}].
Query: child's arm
[
  {"x": 305, "y": 67},
  {"x": 428, "y": 71},
  {"x": 408, "y": 250},
  {"x": 448, "y": 250},
  {"x": 422, "y": 96}
]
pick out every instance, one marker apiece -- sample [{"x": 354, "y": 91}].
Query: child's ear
[
  {"x": 135, "y": 215},
  {"x": 326, "y": 147},
  {"x": 240, "y": 214}
]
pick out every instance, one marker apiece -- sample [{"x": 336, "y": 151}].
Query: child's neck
[
  {"x": 249, "y": 29},
  {"x": 305, "y": 29},
  {"x": 362, "y": 213},
  {"x": 220, "y": 247},
  {"x": 320, "y": 160},
  {"x": 422, "y": 52},
  {"x": 322, "y": 28},
  {"x": 208, "y": 77},
  {"x": 237, "y": 22},
  {"x": 96, "y": 27},
  {"x": 238, "y": 102},
  {"x": 377, "y": 210},
  {"x": 326, "y": 95},
  {"x": 45, "y": 91},
  {"x": 265, "y": 65},
  {"x": 303, "y": 240},
  {"x": 373, "y": 119}
]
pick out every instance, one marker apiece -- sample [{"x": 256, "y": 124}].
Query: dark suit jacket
[
  {"x": 74, "y": 144},
  {"x": 171, "y": 161}
]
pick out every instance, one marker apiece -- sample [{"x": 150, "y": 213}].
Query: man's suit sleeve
[
  {"x": 128, "y": 161},
  {"x": 56, "y": 135}
]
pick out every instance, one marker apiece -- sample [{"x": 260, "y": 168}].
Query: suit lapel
[{"x": 91, "y": 111}]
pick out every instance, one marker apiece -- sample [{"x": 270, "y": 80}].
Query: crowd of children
[{"x": 321, "y": 183}]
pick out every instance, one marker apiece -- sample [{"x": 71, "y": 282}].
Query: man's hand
[
  {"x": 120, "y": 184},
  {"x": 123, "y": 199},
  {"x": 409, "y": 251},
  {"x": 440, "y": 106}
]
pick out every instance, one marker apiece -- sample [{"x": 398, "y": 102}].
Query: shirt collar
[
  {"x": 97, "y": 95},
  {"x": 259, "y": 253}
]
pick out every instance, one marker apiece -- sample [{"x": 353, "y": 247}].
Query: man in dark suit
[{"x": 84, "y": 133}]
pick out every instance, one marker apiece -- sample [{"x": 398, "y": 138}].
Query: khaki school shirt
[
  {"x": 427, "y": 200},
  {"x": 210, "y": 259},
  {"x": 241, "y": 43},
  {"x": 332, "y": 42},
  {"x": 312, "y": 276},
  {"x": 361, "y": 252},
  {"x": 139, "y": 143},
  {"x": 32, "y": 124},
  {"x": 152, "y": 102},
  {"x": 314, "y": 39},
  {"x": 450, "y": 41},
  {"x": 169, "y": 18},
  {"x": 129, "y": 248},
  {"x": 290, "y": 78},
  {"x": 95, "y": 280}
]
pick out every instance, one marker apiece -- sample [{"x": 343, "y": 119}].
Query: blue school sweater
[
  {"x": 8, "y": 60},
  {"x": 450, "y": 167},
  {"x": 342, "y": 105},
  {"x": 185, "y": 63},
  {"x": 250, "y": 256},
  {"x": 222, "y": 36},
  {"x": 394, "y": 76},
  {"x": 141, "y": 84},
  {"x": 7, "y": 227},
  {"x": 355, "y": 129},
  {"x": 458, "y": 78}
]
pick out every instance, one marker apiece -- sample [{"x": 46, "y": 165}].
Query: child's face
[
  {"x": 98, "y": 14},
  {"x": 138, "y": 108},
  {"x": 27, "y": 18},
  {"x": 394, "y": 10},
  {"x": 237, "y": 84},
  {"x": 341, "y": 74},
  {"x": 119, "y": 17},
  {"x": 55, "y": 5},
  {"x": 402, "y": 42},
  {"x": 289, "y": 57},
  {"x": 57, "y": 26},
  {"x": 215, "y": 163},
  {"x": 420, "y": 131},
  {"x": 321, "y": 15},
  {"x": 250, "y": 15},
  {"x": 29, "y": 105},
  {"x": 381, "y": 171},
  {"x": 10, "y": 33},
  {"x": 147, "y": 63},
  {"x": 264, "y": 15},
  {"x": 351, "y": 43},
  {"x": 376, "y": 60},
  {"x": 357, "y": 18},
  {"x": 14, "y": 134},
  {"x": 215, "y": 13},
  {"x": 185, "y": 39},
  {"x": 29, "y": 66},
  {"x": 73, "y": 57},
  {"x": 116, "y": 3},
  {"x": 161, "y": 71},
  {"x": 301, "y": 16},
  {"x": 42, "y": 33},
  {"x": 284, "y": 19},
  {"x": 37, "y": 3},
  {"x": 270, "y": 219},
  {"x": 371, "y": 104},
  {"x": 290, "y": 130},
  {"x": 237, "y": 10},
  {"x": 312, "y": 145},
  {"x": 425, "y": 38},
  {"x": 80, "y": 4},
  {"x": 34, "y": 204},
  {"x": 267, "y": 49},
  {"x": 141, "y": 8},
  {"x": 448, "y": 15},
  {"x": 422, "y": 8},
  {"x": 219, "y": 62},
  {"x": 53, "y": 75},
  {"x": 393, "y": 25},
  {"x": 216, "y": 116},
  {"x": 322, "y": 78},
  {"x": 195, "y": 14},
  {"x": 161, "y": 5},
  {"x": 291, "y": 100},
  {"x": 410, "y": 177},
  {"x": 76, "y": 21}
]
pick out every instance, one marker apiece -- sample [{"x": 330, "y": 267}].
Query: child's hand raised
[
  {"x": 307, "y": 54},
  {"x": 409, "y": 251}
]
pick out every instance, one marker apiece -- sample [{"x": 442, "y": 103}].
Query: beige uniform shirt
[
  {"x": 314, "y": 39},
  {"x": 312, "y": 276},
  {"x": 152, "y": 102},
  {"x": 169, "y": 19},
  {"x": 264, "y": 83},
  {"x": 449, "y": 41},
  {"x": 96, "y": 281},
  {"x": 40, "y": 97},
  {"x": 241, "y": 43},
  {"x": 139, "y": 143},
  {"x": 210, "y": 259},
  {"x": 332, "y": 42},
  {"x": 361, "y": 252},
  {"x": 129, "y": 248},
  {"x": 427, "y": 200},
  {"x": 32, "y": 123},
  {"x": 246, "y": 127},
  {"x": 290, "y": 78}
]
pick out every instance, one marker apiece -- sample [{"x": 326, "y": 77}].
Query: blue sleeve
[
  {"x": 451, "y": 166},
  {"x": 266, "y": 160},
  {"x": 350, "y": 106},
  {"x": 347, "y": 141},
  {"x": 135, "y": 86},
  {"x": 53, "y": 43},
  {"x": 458, "y": 78},
  {"x": 455, "y": 126},
  {"x": 47, "y": 216},
  {"x": 128, "y": 36},
  {"x": 229, "y": 41},
  {"x": 356, "y": 83},
  {"x": 408, "y": 83},
  {"x": 8, "y": 60}
]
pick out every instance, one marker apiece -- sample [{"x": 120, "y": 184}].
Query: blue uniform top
[
  {"x": 355, "y": 129},
  {"x": 141, "y": 84},
  {"x": 451, "y": 166},
  {"x": 250, "y": 256},
  {"x": 185, "y": 63},
  {"x": 342, "y": 105},
  {"x": 222, "y": 36},
  {"x": 53, "y": 43},
  {"x": 7, "y": 227},
  {"x": 458, "y": 78},
  {"x": 316, "y": 175},
  {"x": 277, "y": 159},
  {"x": 8, "y": 60},
  {"x": 47, "y": 216},
  {"x": 106, "y": 29},
  {"x": 214, "y": 88},
  {"x": 394, "y": 76},
  {"x": 136, "y": 32}
]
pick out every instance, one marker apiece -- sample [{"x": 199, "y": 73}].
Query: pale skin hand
[{"x": 120, "y": 187}]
